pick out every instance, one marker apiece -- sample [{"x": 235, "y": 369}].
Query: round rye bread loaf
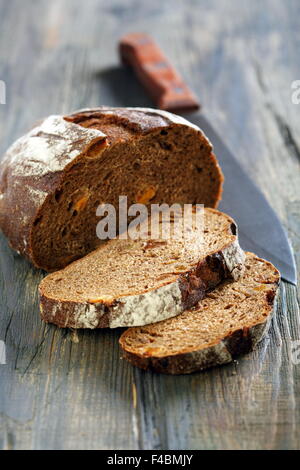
[
  {"x": 130, "y": 282},
  {"x": 53, "y": 179},
  {"x": 230, "y": 321}
]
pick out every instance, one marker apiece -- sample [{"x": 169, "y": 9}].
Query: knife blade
[{"x": 260, "y": 229}]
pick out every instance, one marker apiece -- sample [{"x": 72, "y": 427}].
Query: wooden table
[{"x": 241, "y": 57}]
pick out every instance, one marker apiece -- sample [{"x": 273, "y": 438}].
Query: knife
[{"x": 260, "y": 229}]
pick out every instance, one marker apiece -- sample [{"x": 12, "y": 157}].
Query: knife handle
[{"x": 165, "y": 86}]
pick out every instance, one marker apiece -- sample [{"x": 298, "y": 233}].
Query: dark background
[{"x": 241, "y": 58}]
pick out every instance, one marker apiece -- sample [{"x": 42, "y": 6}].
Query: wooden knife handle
[{"x": 165, "y": 86}]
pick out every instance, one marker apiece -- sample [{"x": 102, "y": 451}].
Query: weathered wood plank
[{"x": 240, "y": 57}]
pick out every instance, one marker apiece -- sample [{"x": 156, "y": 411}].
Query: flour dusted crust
[
  {"x": 34, "y": 167},
  {"x": 49, "y": 147},
  {"x": 31, "y": 170},
  {"x": 133, "y": 310}
]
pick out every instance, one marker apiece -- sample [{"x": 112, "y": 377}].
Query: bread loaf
[{"x": 53, "y": 178}]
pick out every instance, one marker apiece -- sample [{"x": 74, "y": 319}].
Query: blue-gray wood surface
[{"x": 62, "y": 392}]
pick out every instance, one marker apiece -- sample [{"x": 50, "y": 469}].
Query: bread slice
[
  {"x": 137, "y": 282},
  {"x": 53, "y": 179},
  {"x": 230, "y": 321}
]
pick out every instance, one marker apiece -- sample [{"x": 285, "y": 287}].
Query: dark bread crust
[
  {"x": 36, "y": 166},
  {"x": 223, "y": 350},
  {"x": 208, "y": 274},
  {"x": 238, "y": 343}
]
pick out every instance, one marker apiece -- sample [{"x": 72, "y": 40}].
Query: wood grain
[{"x": 59, "y": 391}]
